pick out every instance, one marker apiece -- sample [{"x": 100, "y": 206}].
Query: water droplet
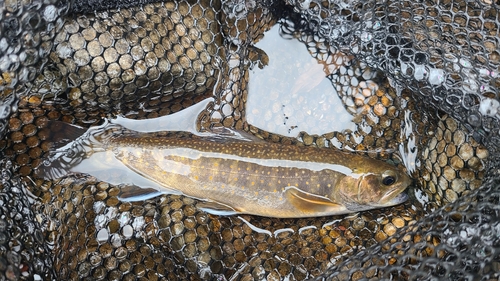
[
  {"x": 420, "y": 72},
  {"x": 474, "y": 120},
  {"x": 100, "y": 221},
  {"x": 489, "y": 107},
  {"x": 63, "y": 50}
]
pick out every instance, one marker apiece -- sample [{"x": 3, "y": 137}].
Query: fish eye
[{"x": 388, "y": 180}]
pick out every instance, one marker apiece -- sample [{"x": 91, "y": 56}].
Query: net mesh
[{"x": 436, "y": 65}]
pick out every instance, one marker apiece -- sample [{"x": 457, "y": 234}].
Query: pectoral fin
[
  {"x": 311, "y": 203},
  {"x": 216, "y": 208}
]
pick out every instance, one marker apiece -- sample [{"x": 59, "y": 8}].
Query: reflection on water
[
  {"x": 184, "y": 120},
  {"x": 292, "y": 93}
]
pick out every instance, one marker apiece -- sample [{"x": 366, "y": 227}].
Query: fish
[{"x": 234, "y": 173}]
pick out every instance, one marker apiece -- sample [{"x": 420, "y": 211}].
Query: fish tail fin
[
  {"x": 67, "y": 149},
  {"x": 62, "y": 133},
  {"x": 51, "y": 169},
  {"x": 71, "y": 144}
]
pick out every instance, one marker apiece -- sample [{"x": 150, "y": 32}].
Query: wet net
[{"x": 421, "y": 73}]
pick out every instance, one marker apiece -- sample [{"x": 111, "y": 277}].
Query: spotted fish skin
[{"x": 262, "y": 178}]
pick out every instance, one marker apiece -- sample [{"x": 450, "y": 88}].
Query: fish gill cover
[{"x": 64, "y": 61}]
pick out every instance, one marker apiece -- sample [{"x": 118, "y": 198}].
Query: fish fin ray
[
  {"x": 62, "y": 133},
  {"x": 52, "y": 169},
  {"x": 64, "y": 152},
  {"x": 132, "y": 193},
  {"x": 309, "y": 202},
  {"x": 216, "y": 208}
]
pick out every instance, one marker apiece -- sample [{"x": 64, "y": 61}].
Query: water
[{"x": 292, "y": 93}]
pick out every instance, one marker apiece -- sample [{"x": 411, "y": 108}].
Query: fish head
[{"x": 380, "y": 186}]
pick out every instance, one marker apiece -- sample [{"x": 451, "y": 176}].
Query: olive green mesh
[{"x": 424, "y": 74}]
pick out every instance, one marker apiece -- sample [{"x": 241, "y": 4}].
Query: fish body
[{"x": 234, "y": 175}]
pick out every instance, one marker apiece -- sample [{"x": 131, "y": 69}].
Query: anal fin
[
  {"x": 133, "y": 193},
  {"x": 216, "y": 208}
]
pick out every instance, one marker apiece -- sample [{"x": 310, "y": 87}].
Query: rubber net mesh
[{"x": 443, "y": 57}]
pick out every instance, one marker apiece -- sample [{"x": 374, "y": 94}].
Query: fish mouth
[
  {"x": 386, "y": 201},
  {"x": 400, "y": 198},
  {"x": 394, "y": 197}
]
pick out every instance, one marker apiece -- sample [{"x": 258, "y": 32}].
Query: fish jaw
[{"x": 400, "y": 198}]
